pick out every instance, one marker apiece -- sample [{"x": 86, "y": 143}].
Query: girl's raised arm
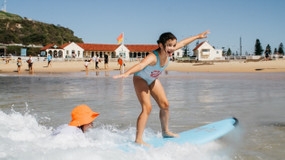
[
  {"x": 188, "y": 40},
  {"x": 149, "y": 59}
]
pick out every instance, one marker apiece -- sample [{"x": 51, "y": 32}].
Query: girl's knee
[
  {"x": 164, "y": 105},
  {"x": 147, "y": 110}
]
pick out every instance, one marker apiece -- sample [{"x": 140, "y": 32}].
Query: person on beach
[
  {"x": 147, "y": 84},
  {"x": 120, "y": 62},
  {"x": 106, "y": 61},
  {"x": 87, "y": 61},
  {"x": 30, "y": 62},
  {"x": 49, "y": 60},
  {"x": 19, "y": 64},
  {"x": 82, "y": 118},
  {"x": 97, "y": 60}
]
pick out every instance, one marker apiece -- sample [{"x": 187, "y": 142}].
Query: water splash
[{"x": 23, "y": 135}]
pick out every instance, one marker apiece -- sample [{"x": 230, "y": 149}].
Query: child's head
[
  {"x": 82, "y": 116},
  {"x": 167, "y": 42},
  {"x": 164, "y": 37}
]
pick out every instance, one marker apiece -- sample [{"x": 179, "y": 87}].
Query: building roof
[
  {"x": 49, "y": 46},
  {"x": 141, "y": 47},
  {"x": 64, "y": 45},
  {"x": 199, "y": 45},
  {"x": 98, "y": 47},
  {"x": 107, "y": 47}
]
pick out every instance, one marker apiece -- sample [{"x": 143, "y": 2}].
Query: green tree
[
  {"x": 229, "y": 52},
  {"x": 15, "y": 50},
  {"x": 24, "y": 31},
  {"x": 280, "y": 49},
  {"x": 9, "y": 37},
  {"x": 34, "y": 39},
  {"x": 258, "y": 48},
  {"x": 275, "y": 51},
  {"x": 33, "y": 51},
  {"x": 185, "y": 51},
  {"x": 268, "y": 50}
]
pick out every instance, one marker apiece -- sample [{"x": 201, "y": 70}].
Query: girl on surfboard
[{"x": 147, "y": 84}]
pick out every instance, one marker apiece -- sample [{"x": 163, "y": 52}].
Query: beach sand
[{"x": 78, "y": 66}]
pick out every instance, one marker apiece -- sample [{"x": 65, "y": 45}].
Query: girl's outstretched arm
[
  {"x": 188, "y": 40},
  {"x": 148, "y": 60}
]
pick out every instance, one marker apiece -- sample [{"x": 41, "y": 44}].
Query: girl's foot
[
  {"x": 167, "y": 134},
  {"x": 142, "y": 143}
]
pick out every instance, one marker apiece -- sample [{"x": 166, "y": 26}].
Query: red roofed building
[
  {"x": 205, "y": 52},
  {"x": 67, "y": 50},
  {"x": 90, "y": 50},
  {"x": 87, "y": 50}
]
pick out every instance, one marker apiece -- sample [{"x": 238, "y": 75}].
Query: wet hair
[
  {"x": 164, "y": 37},
  {"x": 81, "y": 127}
]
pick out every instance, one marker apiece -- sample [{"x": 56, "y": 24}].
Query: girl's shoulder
[
  {"x": 151, "y": 55},
  {"x": 150, "y": 59}
]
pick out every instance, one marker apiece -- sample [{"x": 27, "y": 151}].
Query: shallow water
[{"x": 32, "y": 106}]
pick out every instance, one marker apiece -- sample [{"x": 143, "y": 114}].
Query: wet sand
[{"x": 78, "y": 66}]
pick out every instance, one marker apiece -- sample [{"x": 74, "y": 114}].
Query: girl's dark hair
[{"x": 164, "y": 37}]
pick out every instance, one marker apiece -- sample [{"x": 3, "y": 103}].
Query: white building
[
  {"x": 205, "y": 52},
  {"x": 73, "y": 50},
  {"x": 123, "y": 51},
  {"x": 129, "y": 52},
  {"x": 67, "y": 50}
]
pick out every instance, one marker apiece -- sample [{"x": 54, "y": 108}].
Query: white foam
[{"x": 22, "y": 137}]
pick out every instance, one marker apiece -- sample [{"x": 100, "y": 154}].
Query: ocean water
[{"x": 32, "y": 106}]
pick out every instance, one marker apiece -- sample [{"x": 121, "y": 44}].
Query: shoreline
[{"x": 78, "y": 66}]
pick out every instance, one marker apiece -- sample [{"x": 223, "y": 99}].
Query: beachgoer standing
[
  {"x": 49, "y": 60},
  {"x": 147, "y": 84},
  {"x": 120, "y": 62},
  {"x": 87, "y": 61},
  {"x": 97, "y": 60},
  {"x": 19, "y": 64},
  {"x": 106, "y": 60},
  {"x": 30, "y": 62}
]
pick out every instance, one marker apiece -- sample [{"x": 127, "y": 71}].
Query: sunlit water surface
[{"x": 32, "y": 106}]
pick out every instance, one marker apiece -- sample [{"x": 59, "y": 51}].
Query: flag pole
[
  {"x": 123, "y": 38},
  {"x": 123, "y": 58}
]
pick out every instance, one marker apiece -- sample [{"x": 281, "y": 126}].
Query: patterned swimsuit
[{"x": 151, "y": 73}]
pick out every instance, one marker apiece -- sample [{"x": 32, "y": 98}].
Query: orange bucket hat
[{"x": 82, "y": 114}]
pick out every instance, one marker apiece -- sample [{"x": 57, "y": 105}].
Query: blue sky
[{"x": 142, "y": 21}]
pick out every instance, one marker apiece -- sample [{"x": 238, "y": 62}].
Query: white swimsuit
[
  {"x": 68, "y": 130},
  {"x": 151, "y": 73}
]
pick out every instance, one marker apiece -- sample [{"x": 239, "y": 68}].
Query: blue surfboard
[
  {"x": 200, "y": 135},
  {"x": 196, "y": 136}
]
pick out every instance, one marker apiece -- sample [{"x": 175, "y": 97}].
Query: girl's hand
[
  {"x": 203, "y": 34},
  {"x": 120, "y": 76},
  {"x": 117, "y": 76}
]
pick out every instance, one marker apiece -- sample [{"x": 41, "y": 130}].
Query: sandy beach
[{"x": 78, "y": 66}]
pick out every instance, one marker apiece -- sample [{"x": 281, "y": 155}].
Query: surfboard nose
[{"x": 236, "y": 121}]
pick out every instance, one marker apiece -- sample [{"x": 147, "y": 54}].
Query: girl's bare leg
[
  {"x": 143, "y": 94},
  {"x": 158, "y": 93}
]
